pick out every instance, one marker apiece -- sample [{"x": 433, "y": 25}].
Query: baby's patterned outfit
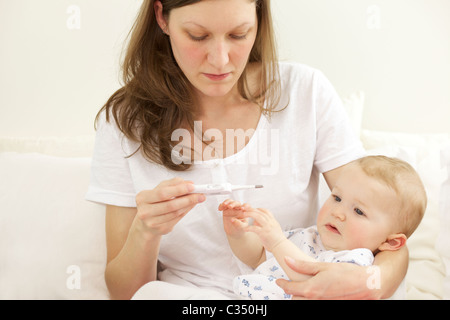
[{"x": 261, "y": 285}]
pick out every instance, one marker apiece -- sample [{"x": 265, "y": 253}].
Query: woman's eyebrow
[{"x": 202, "y": 27}]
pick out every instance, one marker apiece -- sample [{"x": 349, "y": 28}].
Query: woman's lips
[
  {"x": 332, "y": 228},
  {"x": 216, "y": 77}
]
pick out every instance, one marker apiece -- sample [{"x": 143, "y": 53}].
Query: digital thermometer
[{"x": 221, "y": 188}]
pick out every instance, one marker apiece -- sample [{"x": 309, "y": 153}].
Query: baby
[{"x": 376, "y": 204}]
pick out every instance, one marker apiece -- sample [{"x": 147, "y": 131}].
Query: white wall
[
  {"x": 396, "y": 51},
  {"x": 55, "y": 76}
]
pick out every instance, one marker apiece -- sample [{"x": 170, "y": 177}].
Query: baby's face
[{"x": 361, "y": 212}]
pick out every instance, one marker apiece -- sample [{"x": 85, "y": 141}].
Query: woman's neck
[{"x": 213, "y": 108}]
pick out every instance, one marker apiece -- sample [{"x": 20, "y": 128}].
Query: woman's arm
[
  {"x": 393, "y": 267},
  {"x": 347, "y": 280},
  {"x": 131, "y": 257},
  {"x": 133, "y": 235}
]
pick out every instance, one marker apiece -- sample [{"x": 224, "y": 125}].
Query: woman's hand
[
  {"x": 330, "y": 281},
  {"x": 162, "y": 208}
]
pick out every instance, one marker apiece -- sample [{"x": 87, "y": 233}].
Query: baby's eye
[
  {"x": 337, "y": 199},
  {"x": 359, "y": 212}
]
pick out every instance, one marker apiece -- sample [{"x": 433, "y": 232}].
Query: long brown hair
[{"x": 156, "y": 97}]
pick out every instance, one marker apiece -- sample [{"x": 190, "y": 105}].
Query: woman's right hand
[{"x": 161, "y": 208}]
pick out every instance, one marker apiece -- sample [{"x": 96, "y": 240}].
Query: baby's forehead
[
  {"x": 354, "y": 169},
  {"x": 378, "y": 173},
  {"x": 357, "y": 179}
]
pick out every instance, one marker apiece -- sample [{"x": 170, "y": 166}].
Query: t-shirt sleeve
[
  {"x": 110, "y": 181},
  {"x": 337, "y": 144}
]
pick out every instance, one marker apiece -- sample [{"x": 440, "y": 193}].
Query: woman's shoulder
[
  {"x": 295, "y": 74},
  {"x": 111, "y": 115},
  {"x": 107, "y": 127},
  {"x": 300, "y": 78},
  {"x": 296, "y": 68},
  {"x": 105, "y": 118}
]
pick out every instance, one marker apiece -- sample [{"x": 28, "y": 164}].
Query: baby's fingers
[
  {"x": 265, "y": 212},
  {"x": 240, "y": 223},
  {"x": 257, "y": 217},
  {"x": 253, "y": 228},
  {"x": 229, "y": 204},
  {"x": 233, "y": 213},
  {"x": 224, "y": 204}
]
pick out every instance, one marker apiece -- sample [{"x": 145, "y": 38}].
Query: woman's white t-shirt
[{"x": 286, "y": 154}]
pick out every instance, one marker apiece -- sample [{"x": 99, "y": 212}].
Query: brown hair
[
  {"x": 156, "y": 97},
  {"x": 405, "y": 181}
]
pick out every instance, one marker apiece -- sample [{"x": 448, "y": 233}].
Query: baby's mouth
[{"x": 332, "y": 228}]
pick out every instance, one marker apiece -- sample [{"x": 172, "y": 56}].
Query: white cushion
[
  {"x": 444, "y": 235},
  {"x": 52, "y": 240},
  {"x": 77, "y": 146}
]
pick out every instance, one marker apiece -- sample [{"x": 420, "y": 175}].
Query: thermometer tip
[{"x": 259, "y": 186}]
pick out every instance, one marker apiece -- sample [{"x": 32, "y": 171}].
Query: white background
[{"x": 54, "y": 76}]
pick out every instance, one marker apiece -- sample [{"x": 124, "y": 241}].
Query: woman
[{"x": 205, "y": 101}]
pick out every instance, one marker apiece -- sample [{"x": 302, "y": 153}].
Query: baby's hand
[
  {"x": 266, "y": 227},
  {"x": 234, "y": 220}
]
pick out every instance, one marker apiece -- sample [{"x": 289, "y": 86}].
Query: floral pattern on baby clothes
[
  {"x": 259, "y": 287},
  {"x": 261, "y": 284}
]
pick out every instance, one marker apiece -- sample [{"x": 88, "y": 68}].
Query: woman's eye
[
  {"x": 195, "y": 38},
  {"x": 359, "y": 212},
  {"x": 232, "y": 36},
  {"x": 238, "y": 37}
]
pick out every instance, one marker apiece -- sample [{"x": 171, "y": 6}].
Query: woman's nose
[{"x": 218, "y": 55}]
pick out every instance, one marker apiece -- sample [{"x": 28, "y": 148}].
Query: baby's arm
[
  {"x": 245, "y": 245},
  {"x": 273, "y": 239},
  {"x": 287, "y": 249}
]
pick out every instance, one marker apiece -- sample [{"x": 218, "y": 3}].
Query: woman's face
[{"x": 211, "y": 42}]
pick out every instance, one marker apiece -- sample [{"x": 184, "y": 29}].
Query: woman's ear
[
  {"x": 393, "y": 242},
  {"x": 162, "y": 22}
]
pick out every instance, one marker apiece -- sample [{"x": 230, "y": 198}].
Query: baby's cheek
[
  {"x": 357, "y": 236},
  {"x": 324, "y": 210}
]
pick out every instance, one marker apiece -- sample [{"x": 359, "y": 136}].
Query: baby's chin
[
  {"x": 333, "y": 247},
  {"x": 331, "y": 243}
]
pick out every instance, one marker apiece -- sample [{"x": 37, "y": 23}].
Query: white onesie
[{"x": 261, "y": 284}]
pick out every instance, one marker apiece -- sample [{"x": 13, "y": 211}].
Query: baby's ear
[{"x": 393, "y": 242}]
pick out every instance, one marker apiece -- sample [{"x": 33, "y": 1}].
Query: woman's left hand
[{"x": 331, "y": 281}]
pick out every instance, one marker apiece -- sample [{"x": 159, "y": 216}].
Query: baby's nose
[{"x": 339, "y": 214}]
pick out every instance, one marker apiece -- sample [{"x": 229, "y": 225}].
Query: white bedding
[{"x": 443, "y": 242}]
